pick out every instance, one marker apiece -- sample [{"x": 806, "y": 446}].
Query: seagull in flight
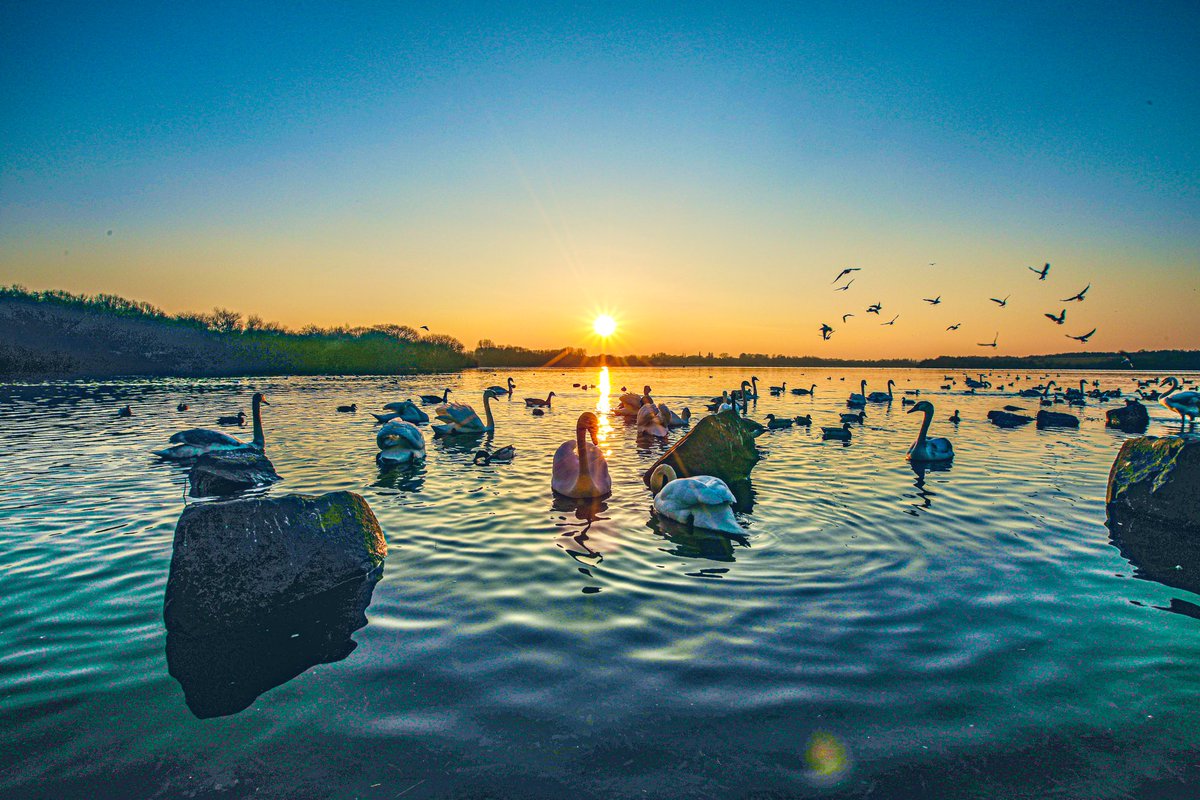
[
  {"x": 1079, "y": 296},
  {"x": 934, "y": 301},
  {"x": 991, "y": 343},
  {"x": 844, "y": 288},
  {"x": 424, "y": 327},
  {"x": 1060, "y": 319},
  {"x": 875, "y": 309},
  {"x": 954, "y": 327},
  {"x": 1001, "y": 303},
  {"x": 846, "y": 317},
  {"x": 1041, "y": 273},
  {"x": 845, "y": 272},
  {"x": 825, "y": 331},
  {"x": 1125, "y": 359},
  {"x": 893, "y": 320},
  {"x": 1083, "y": 338}
]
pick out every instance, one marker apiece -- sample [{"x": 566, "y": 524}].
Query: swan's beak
[
  {"x": 911, "y": 410},
  {"x": 264, "y": 402}
]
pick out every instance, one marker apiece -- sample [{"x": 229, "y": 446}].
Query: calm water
[{"x": 968, "y": 633}]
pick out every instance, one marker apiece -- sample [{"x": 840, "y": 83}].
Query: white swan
[
  {"x": 198, "y": 441},
  {"x": 1185, "y": 404},
  {"x": 882, "y": 397},
  {"x": 461, "y": 418},
  {"x": 673, "y": 420},
  {"x": 924, "y": 449},
  {"x": 860, "y": 399},
  {"x": 404, "y": 410},
  {"x": 649, "y": 423},
  {"x": 701, "y": 501},
  {"x": 586, "y": 476},
  {"x": 399, "y": 442}
]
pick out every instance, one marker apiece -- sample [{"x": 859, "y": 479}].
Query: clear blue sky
[{"x": 507, "y": 170}]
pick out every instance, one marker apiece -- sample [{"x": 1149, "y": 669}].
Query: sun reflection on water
[{"x": 603, "y": 406}]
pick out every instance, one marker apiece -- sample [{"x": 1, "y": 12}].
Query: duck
[
  {"x": 859, "y": 399},
  {"x": 459, "y": 418},
  {"x": 405, "y": 410},
  {"x": 399, "y": 443},
  {"x": 537, "y": 402},
  {"x": 882, "y": 397},
  {"x": 350, "y": 409},
  {"x": 774, "y": 424},
  {"x": 778, "y": 390},
  {"x": 1185, "y": 404},
  {"x": 955, "y": 418},
  {"x": 673, "y": 420},
  {"x": 431, "y": 399},
  {"x": 580, "y": 469},
  {"x": 198, "y": 441},
  {"x": 125, "y": 412},
  {"x": 236, "y": 419},
  {"x": 803, "y": 420},
  {"x": 907, "y": 401},
  {"x": 181, "y": 407},
  {"x": 841, "y": 434},
  {"x": 499, "y": 390},
  {"x": 810, "y": 391},
  {"x": 701, "y": 501},
  {"x": 504, "y": 454},
  {"x": 649, "y": 423},
  {"x": 850, "y": 418},
  {"x": 925, "y": 449}
]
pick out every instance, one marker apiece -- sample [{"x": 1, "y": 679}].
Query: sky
[{"x": 699, "y": 171}]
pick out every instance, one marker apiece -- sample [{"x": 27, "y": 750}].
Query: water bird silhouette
[
  {"x": 846, "y": 317},
  {"x": 508, "y": 390},
  {"x": 1079, "y": 296},
  {"x": 875, "y": 308},
  {"x": 892, "y": 321},
  {"x": 431, "y": 399},
  {"x": 1041, "y": 273},
  {"x": 991, "y": 343},
  {"x": 844, "y": 288},
  {"x": 954, "y": 327},
  {"x": 1001, "y": 303},
  {"x": 846, "y": 272},
  {"x": 459, "y": 418},
  {"x": 198, "y": 441},
  {"x": 924, "y": 448},
  {"x": 350, "y": 409},
  {"x": 1060, "y": 319},
  {"x": 1084, "y": 337},
  {"x": 933, "y": 302},
  {"x": 825, "y": 331},
  {"x": 125, "y": 412}
]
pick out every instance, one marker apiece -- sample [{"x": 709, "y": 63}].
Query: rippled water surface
[{"x": 969, "y": 632}]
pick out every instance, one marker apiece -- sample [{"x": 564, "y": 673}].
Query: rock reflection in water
[
  {"x": 223, "y": 672},
  {"x": 1158, "y": 552}
]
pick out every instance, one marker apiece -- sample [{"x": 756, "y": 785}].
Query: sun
[{"x": 605, "y": 326}]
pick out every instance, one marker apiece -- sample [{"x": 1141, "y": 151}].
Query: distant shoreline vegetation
[{"x": 57, "y": 334}]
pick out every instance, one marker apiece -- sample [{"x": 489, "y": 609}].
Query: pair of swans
[{"x": 199, "y": 441}]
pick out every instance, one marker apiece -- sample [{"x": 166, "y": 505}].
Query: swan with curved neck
[
  {"x": 860, "y": 399},
  {"x": 430, "y": 399},
  {"x": 462, "y": 419},
  {"x": 809, "y": 391},
  {"x": 649, "y": 423},
  {"x": 499, "y": 390},
  {"x": 198, "y": 441},
  {"x": 580, "y": 469},
  {"x": 882, "y": 397},
  {"x": 701, "y": 501},
  {"x": 1185, "y": 404},
  {"x": 924, "y": 448}
]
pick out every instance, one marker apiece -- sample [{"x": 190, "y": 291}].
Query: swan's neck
[
  {"x": 581, "y": 451},
  {"x": 445, "y": 395},
  {"x": 487, "y": 410},
  {"x": 920, "y": 445},
  {"x": 259, "y": 439}
]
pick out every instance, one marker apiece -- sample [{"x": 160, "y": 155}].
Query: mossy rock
[
  {"x": 217, "y": 474},
  {"x": 1133, "y": 417},
  {"x": 1157, "y": 478},
  {"x": 721, "y": 445}
]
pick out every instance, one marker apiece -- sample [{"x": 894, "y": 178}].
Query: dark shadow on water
[
  {"x": 689, "y": 542},
  {"x": 923, "y": 495},
  {"x": 224, "y": 672},
  {"x": 1161, "y": 553},
  {"x": 402, "y": 478},
  {"x": 574, "y": 536}
]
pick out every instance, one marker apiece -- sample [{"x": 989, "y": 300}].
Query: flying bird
[
  {"x": 844, "y": 288},
  {"x": 825, "y": 331},
  {"x": 1001, "y": 303},
  {"x": 934, "y": 301},
  {"x": 954, "y": 327},
  {"x": 1079, "y": 296},
  {"x": 893, "y": 320},
  {"x": 1125, "y": 359},
  {"x": 845, "y": 272},
  {"x": 1083, "y": 338},
  {"x": 991, "y": 343},
  {"x": 875, "y": 309},
  {"x": 846, "y": 317},
  {"x": 424, "y": 327},
  {"x": 1060, "y": 319},
  {"x": 1041, "y": 273}
]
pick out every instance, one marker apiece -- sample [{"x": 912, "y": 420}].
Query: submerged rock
[
  {"x": 721, "y": 445},
  {"x": 1133, "y": 417},
  {"x": 1005, "y": 419},
  {"x": 234, "y": 561},
  {"x": 222, "y": 473},
  {"x": 1056, "y": 419},
  {"x": 1157, "y": 478}
]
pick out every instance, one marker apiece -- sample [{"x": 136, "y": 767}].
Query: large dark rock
[
  {"x": 225, "y": 671},
  {"x": 1006, "y": 419},
  {"x": 721, "y": 445},
  {"x": 225, "y": 473},
  {"x": 1056, "y": 419},
  {"x": 1133, "y": 417},
  {"x": 1157, "y": 478},
  {"x": 234, "y": 562}
]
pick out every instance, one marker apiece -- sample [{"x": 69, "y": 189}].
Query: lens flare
[{"x": 605, "y": 326}]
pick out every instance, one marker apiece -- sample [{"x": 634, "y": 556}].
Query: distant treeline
[{"x": 60, "y": 334}]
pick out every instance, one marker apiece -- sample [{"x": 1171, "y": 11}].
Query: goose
[
  {"x": 237, "y": 419},
  {"x": 774, "y": 424},
  {"x": 804, "y": 420},
  {"x": 405, "y": 410},
  {"x": 810, "y": 391},
  {"x": 702, "y": 501},
  {"x": 1185, "y": 404},
  {"x": 860, "y": 399},
  {"x": 504, "y": 454},
  {"x": 430, "y": 399},
  {"x": 859, "y": 417},
  {"x": 181, "y": 407},
  {"x": 955, "y": 418},
  {"x": 350, "y": 409},
  {"x": 460, "y": 418},
  {"x": 673, "y": 420},
  {"x": 499, "y": 390},
  {"x": 580, "y": 469},
  {"x": 649, "y": 423},
  {"x": 924, "y": 449},
  {"x": 536, "y": 402},
  {"x": 882, "y": 397},
  {"x": 778, "y": 390},
  {"x": 399, "y": 442},
  {"x": 842, "y": 433},
  {"x": 125, "y": 412},
  {"x": 198, "y": 441}
]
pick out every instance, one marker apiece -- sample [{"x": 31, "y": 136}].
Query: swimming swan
[
  {"x": 461, "y": 418},
  {"x": 399, "y": 442},
  {"x": 924, "y": 449},
  {"x": 701, "y": 501},
  {"x": 573, "y": 476},
  {"x": 198, "y": 441}
]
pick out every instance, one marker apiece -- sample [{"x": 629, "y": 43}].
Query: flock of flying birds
[{"x": 1060, "y": 318}]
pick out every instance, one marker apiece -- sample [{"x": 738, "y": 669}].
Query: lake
[{"x": 971, "y": 632}]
